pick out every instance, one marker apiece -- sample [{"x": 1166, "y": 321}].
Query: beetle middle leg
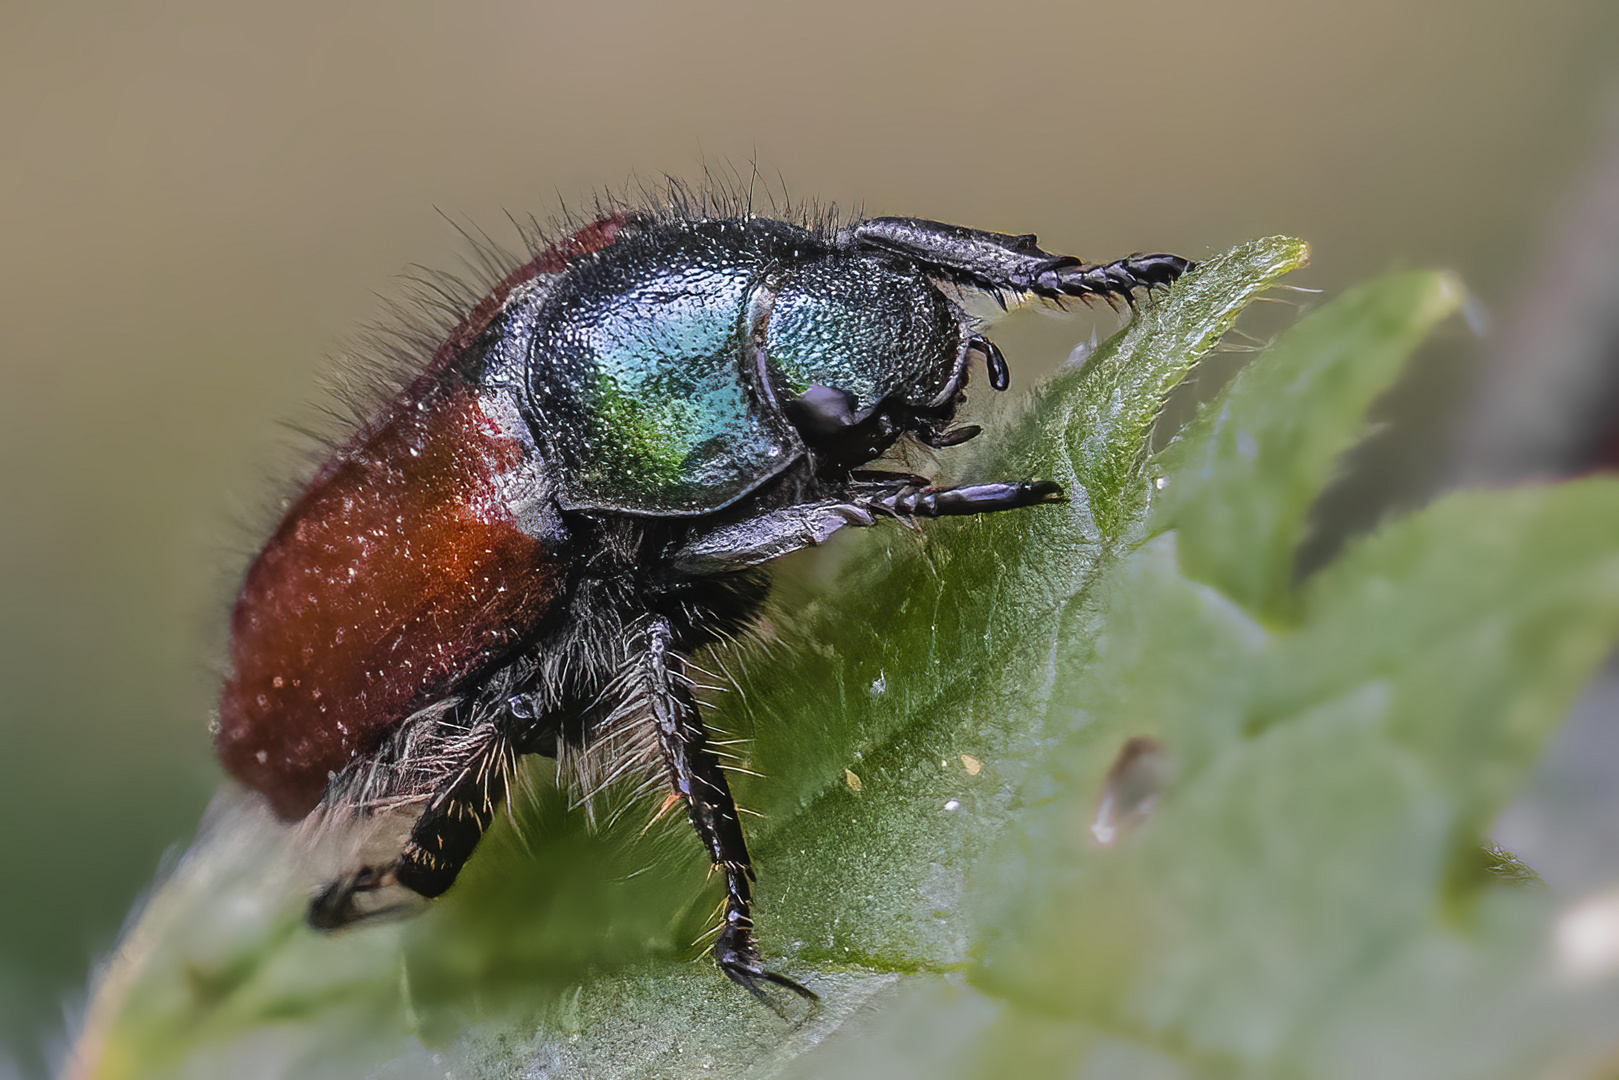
[
  {"x": 695, "y": 777},
  {"x": 962, "y": 499}
]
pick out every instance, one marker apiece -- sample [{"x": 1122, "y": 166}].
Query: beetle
[{"x": 585, "y": 483}]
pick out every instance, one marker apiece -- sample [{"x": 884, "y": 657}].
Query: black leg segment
[
  {"x": 697, "y": 779},
  {"x": 441, "y": 841},
  {"x": 911, "y": 500},
  {"x": 449, "y": 829}
]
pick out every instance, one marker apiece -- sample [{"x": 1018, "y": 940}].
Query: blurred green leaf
[{"x": 1288, "y": 882}]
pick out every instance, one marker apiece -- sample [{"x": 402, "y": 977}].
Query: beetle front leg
[
  {"x": 695, "y": 777},
  {"x": 998, "y": 262}
]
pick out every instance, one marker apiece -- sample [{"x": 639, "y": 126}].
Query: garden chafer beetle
[{"x": 584, "y": 483}]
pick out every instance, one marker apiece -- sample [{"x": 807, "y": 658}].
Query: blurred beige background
[{"x": 198, "y": 202}]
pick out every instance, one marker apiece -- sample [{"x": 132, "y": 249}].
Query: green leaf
[
  {"x": 1286, "y": 417},
  {"x": 1291, "y": 884}
]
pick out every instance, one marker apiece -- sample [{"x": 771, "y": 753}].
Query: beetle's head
[{"x": 859, "y": 351}]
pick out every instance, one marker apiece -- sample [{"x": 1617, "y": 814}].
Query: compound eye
[{"x": 822, "y": 412}]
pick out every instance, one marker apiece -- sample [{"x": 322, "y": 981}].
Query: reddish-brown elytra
[
  {"x": 581, "y": 487},
  {"x": 401, "y": 568}
]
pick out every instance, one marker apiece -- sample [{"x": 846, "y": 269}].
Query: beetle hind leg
[
  {"x": 444, "y": 837},
  {"x": 440, "y": 842}
]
